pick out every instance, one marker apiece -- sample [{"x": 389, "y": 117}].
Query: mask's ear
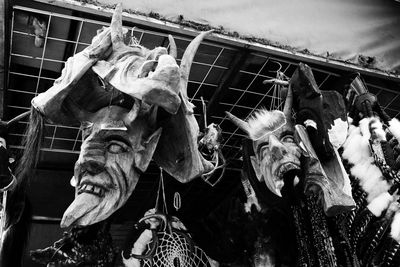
[
  {"x": 143, "y": 157},
  {"x": 256, "y": 167}
]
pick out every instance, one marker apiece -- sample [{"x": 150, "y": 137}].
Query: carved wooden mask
[
  {"x": 114, "y": 152},
  {"x": 132, "y": 105},
  {"x": 276, "y": 153}
]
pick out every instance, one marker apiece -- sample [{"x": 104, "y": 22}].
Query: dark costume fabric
[
  {"x": 369, "y": 235},
  {"x": 81, "y": 246}
]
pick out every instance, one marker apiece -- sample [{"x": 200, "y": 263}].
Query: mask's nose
[
  {"x": 92, "y": 158},
  {"x": 277, "y": 149}
]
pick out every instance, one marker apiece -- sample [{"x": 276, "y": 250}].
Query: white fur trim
[
  {"x": 380, "y": 204},
  {"x": 356, "y": 147},
  {"x": 356, "y": 151},
  {"x": 376, "y": 129},
  {"x": 364, "y": 126},
  {"x": 395, "y": 229},
  {"x": 310, "y": 123},
  {"x": 338, "y": 132},
  {"x": 394, "y": 127},
  {"x": 346, "y": 179}
]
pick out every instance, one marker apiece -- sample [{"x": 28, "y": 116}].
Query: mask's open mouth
[{"x": 287, "y": 168}]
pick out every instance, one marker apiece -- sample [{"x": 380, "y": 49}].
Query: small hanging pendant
[{"x": 177, "y": 201}]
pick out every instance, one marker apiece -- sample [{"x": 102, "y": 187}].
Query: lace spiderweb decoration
[
  {"x": 176, "y": 250},
  {"x": 171, "y": 245}
]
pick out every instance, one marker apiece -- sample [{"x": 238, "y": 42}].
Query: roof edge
[{"x": 228, "y": 38}]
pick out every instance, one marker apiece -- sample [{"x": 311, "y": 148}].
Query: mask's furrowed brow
[
  {"x": 287, "y": 132},
  {"x": 115, "y": 125}
]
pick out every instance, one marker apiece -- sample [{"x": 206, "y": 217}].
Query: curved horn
[
  {"x": 187, "y": 59},
  {"x": 117, "y": 36},
  {"x": 238, "y": 122},
  {"x": 173, "y": 51},
  {"x": 287, "y": 110}
]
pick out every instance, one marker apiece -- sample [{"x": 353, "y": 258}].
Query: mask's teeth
[
  {"x": 101, "y": 192},
  {"x": 89, "y": 188},
  {"x": 92, "y": 189}
]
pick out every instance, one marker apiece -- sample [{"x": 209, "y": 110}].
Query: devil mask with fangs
[
  {"x": 276, "y": 153},
  {"x": 132, "y": 105}
]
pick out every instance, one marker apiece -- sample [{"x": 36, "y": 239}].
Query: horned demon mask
[
  {"x": 132, "y": 105},
  {"x": 276, "y": 153}
]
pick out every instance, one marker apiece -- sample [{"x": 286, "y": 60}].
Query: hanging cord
[
  {"x": 161, "y": 188},
  {"x": 163, "y": 191},
  {"x": 279, "y": 82},
  {"x": 158, "y": 194}
]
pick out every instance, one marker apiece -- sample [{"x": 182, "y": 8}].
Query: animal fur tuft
[
  {"x": 264, "y": 121},
  {"x": 356, "y": 151},
  {"x": 394, "y": 127},
  {"x": 380, "y": 204},
  {"x": 395, "y": 228},
  {"x": 32, "y": 141}
]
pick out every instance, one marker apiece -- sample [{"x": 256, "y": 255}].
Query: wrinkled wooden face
[
  {"x": 277, "y": 154},
  {"x": 105, "y": 173}
]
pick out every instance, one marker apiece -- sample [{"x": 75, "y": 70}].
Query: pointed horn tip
[
  {"x": 238, "y": 122},
  {"x": 118, "y": 6},
  {"x": 173, "y": 48},
  {"x": 117, "y": 12},
  {"x": 231, "y": 117},
  {"x": 229, "y": 114},
  {"x": 205, "y": 33}
]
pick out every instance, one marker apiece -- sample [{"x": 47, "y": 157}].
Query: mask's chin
[{"x": 88, "y": 208}]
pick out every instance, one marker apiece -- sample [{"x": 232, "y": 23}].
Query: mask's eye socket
[
  {"x": 262, "y": 149},
  {"x": 287, "y": 139},
  {"x": 117, "y": 147}
]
